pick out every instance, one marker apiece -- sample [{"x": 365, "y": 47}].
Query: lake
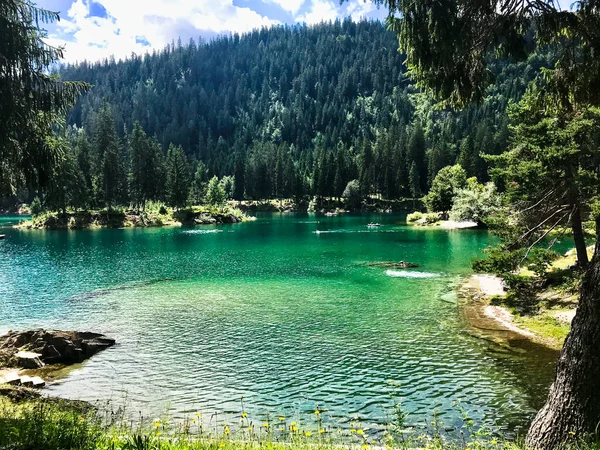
[{"x": 283, "y": 311}]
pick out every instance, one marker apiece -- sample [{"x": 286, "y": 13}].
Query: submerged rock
[
  {"x": 33, "y": 349},
  {"x": 394, "y": 265}
]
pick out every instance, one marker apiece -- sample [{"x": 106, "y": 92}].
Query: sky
[{"x": 96, "y": 29}]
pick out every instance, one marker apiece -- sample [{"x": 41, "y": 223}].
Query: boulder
[
  {"x": 32, "y": 349},
  {"x": 28, "y": 360}
]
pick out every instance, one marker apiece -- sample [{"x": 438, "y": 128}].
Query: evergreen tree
[
  {"x": 199, "y": 184},
  {"x": 178, "y": 177},
  {"x": 215, "y": 193},
  {"x": 108, "y": 174},
  {"x": 31, "y": 98}
]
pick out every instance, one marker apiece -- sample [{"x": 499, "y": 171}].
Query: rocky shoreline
[{"x": 24, "y": 355}]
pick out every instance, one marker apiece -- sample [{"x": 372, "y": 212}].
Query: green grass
[{"x": 46, "y": 424}]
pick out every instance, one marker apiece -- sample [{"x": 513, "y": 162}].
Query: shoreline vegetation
[
  {"x": 542, "y": 315},
  {"x": 159, "y": 215},
  {"x": 28, "y": 421}
]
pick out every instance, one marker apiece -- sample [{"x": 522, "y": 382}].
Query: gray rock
[
  {"x": 32, "y": 349},
  {"x": 28, "y": 360}
]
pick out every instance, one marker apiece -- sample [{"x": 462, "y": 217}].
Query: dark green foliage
[
  {"x": 35, "y": 206},
  {"x": 108, "y": 168},
  {"x": 178, "y": 177},
  {"x": 336, "y": 107},
  {"x": 30, "y": 97},
  {"x": 146, "y": 177}
]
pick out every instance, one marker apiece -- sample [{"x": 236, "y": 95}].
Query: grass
[
  {"x": 46, "y": 424},
  {"x": 536, "y": 306}
]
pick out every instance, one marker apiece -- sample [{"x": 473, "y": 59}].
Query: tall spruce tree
[
  {"x": 109, "y": 179},
  {"x": 178, "y": 177}
]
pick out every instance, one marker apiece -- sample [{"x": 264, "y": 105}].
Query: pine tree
[
  {"x": 178, "y": 177},
  {"x": 108, "y": 175},
  {"x": 31, "y": 98}
]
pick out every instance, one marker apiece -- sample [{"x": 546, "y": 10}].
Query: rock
[
  {"x": 37, "y": 382},
  {"x": 28, "y": 360},
  {"x": 32, "y": 349},
  {"x": 26, "y": 381},
  {"x": 12, "y": 378}
]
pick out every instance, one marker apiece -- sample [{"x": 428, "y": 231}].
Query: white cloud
[
  {"x": 155, "y": 21},
  {"x": 360, "y": 9},
  {"x": 292, "y": 6},
  {"x": 320, "y": 11},
  {"x": 326, "y": 10}
]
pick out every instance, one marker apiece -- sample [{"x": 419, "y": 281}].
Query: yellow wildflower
[
  {"x": 157, "y": 424},
  {"x": 360, "y": 432},
  {"x": 353, "y": 430},
  {"x": 293, "y": 423},
  {"x": 198, "y": 414},
  {"x": 307, "y": 433},
  {"x": 158, "y": 433},
  {"x": 365, "y": 447},
  {"x": 317, "y": 412},
  {"x": 281, "y": 428},
  {"x": 221, "y": 445},
  {"x": 321, "y": 431},
  {"x": 266, "y": 424},
  {"x": 572, "y": 433},
  {"x": 244, "y": 414},
  {"x": 494, "y": 441},
  {"x": 281, "y": 418},
  {"x": 250, "y": 428},
  {"x": 226, "y": 430}
]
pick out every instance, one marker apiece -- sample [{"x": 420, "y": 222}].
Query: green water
[{"x": 282, "y": 310}]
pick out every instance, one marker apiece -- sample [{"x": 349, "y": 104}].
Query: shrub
[
  {"x": 414, "y": 217},
  {"x": 476, "y": 203},
  {"x": 36, "y": 207},
  {"x": 431, "y": 218}
]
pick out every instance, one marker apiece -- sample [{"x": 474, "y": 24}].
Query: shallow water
[{"x": 275, "y": 312}]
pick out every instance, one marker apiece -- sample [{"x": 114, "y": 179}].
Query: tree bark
[
  {"x": 579, "y": 238},
  {"x": 573, "y": 405}
]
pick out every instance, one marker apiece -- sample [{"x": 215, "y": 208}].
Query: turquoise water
[{"x": 283, "y": 311}]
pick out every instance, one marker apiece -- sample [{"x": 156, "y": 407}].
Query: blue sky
[{"x": 96, "y": 29}]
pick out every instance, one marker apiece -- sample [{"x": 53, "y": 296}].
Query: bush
[
  {"x": 36, "y": 207},
  {"x": 414, "y": 217},
  {"x": 431, "y": 218},
  {"x": 476, "y": 203}
]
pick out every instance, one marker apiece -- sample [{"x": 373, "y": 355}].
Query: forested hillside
[{"x": 292, "y": 111}]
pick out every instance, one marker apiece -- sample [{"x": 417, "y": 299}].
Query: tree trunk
[
  {"x": 579, "y": 238},
  {"x": 573, "y": 405}
]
